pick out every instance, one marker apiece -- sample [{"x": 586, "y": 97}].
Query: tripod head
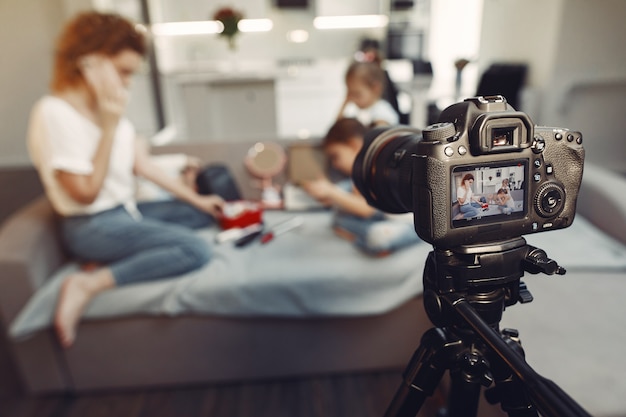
[{"x": 486, "y": 275}]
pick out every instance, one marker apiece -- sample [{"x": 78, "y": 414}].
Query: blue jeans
[
  {"x": 159, "y": 245},
  {"x": 472, "y": 209},
  {"x": 377, "y": 234}
]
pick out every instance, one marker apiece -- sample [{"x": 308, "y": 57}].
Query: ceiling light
[
  {"x": 255, "y": 25},
  {"x": 187, "y": 28}
]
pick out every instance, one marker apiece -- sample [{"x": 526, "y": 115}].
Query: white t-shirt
[
  {"x": 381, "y": 110},
  {"x": 60, "y": 138},
  {"x": 466, "y": 195}
]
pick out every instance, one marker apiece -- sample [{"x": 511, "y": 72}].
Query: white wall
[
  {"x": 26, "y": 28},
  {"x": 71, "y": 7},
  {"x": 454, "y": 34},
  {"x": 522, "y": 31},
  {"x": 587, "y": 88},
  {"x": 577, "y": 65}
]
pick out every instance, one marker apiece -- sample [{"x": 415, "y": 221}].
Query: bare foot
[
  {"x": 76, "y": 292},
  {"x": 90, "y": 266}
]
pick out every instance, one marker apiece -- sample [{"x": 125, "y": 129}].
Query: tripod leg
[
  {"x": 423, "y": 373},
  {"x": 509, "y": 390},
  {"x": 463, "y": 398},
  {"x": 470, "y": 373},
  {"x": 514, "y": 399}
]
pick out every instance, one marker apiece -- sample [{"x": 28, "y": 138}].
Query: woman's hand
[
  {"x": 145, "y": 167},
  {"x": 212, "y": 204},
  {"x": 110, "y": 101},
  {"x": 110, "y": 94}
]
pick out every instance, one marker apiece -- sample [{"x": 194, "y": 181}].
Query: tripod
[{"x": 465, "y": 293}]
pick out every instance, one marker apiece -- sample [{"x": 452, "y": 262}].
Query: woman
[
  {"x": 468, "y": 203},
  {"x": 87, "y": 156}
]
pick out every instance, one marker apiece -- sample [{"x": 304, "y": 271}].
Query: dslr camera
[{"x": 484, "y": 173}]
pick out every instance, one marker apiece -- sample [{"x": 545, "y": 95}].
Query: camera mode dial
[
  {"x": 439, "y": 132},
  {"x": 549, "y": 199}
]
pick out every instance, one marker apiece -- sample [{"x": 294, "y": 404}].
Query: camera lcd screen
[{"x": 488, "y": 193}]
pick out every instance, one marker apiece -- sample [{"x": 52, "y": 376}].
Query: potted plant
[{"x": 230, "y": 18}]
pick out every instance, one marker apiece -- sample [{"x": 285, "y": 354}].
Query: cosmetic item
[
  {"x": 281, "y": 228},
  {"x": 235, "y": 233},
  {"x": 249, "y": 238}
]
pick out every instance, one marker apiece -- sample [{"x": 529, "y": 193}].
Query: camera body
[{"x": 484, "y": 173}]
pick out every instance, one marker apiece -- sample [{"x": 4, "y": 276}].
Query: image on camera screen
[{"x": 488, "y": 193}]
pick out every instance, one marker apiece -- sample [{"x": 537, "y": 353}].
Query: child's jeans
[{"x": 377, "y": 235}]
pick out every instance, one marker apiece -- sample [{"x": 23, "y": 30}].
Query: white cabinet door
[
  {"x": 307, "y": 103},
  {"x": 232, "y": 110}
]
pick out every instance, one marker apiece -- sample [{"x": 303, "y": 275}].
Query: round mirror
[{"x": 266, "y": 159}]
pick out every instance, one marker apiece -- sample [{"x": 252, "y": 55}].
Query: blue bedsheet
[{"x": 306, "y": 272}]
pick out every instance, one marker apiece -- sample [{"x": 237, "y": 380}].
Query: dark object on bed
[{"x": 217, "y": 179}]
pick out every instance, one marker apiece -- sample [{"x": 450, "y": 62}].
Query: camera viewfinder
[{"x": 502, "y": 136}]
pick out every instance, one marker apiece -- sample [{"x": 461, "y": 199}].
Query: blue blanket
[{"x": 306, "y": 272}]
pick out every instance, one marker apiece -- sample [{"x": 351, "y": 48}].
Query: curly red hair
[{"x": 87, "y": 33}]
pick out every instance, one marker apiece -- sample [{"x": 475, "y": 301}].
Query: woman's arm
[
  {"x": 85, "y": 188},
  {"x": 460, "y": 195},
  {"x": 111, "y": 99},
  {"x": 145, "y": 168}
]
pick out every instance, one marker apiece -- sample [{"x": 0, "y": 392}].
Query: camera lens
[{"x": 382, "y": 171}]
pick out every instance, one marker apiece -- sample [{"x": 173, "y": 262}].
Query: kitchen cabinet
[
  {"x": 298, "y": 100},
  {"x": 237, "y": 109}
]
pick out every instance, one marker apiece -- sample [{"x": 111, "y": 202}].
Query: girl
[
  {"x": 365, "y": 83},
  {"x": 87, "y": 154},
  {"x": 374, "y": 232},
  {"x": 505, "y": 201}
]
